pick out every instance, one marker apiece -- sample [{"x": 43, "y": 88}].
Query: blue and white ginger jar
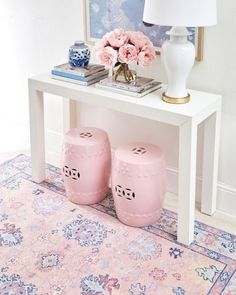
[{"x": 79, "y": 54}]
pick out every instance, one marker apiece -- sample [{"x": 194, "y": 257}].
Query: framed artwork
[{"x": 102, "y": 16}]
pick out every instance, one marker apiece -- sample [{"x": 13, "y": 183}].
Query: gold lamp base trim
[{"x": 175, "y": 100}]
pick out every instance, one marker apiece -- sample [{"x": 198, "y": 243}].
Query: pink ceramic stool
[
  {"x": 86, "y": 165},
  {"x": 138, "y": 183}
]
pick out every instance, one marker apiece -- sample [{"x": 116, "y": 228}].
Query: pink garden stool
[
  {"x": 138, "y": 183},
  {"x": 86, "y": 165}
]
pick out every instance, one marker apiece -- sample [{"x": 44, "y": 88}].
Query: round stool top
[
  {"x": 139, "y": 153},
  {"x": 85, "y": 136}
]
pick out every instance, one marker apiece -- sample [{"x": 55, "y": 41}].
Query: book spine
[
  {"x": 83, "y": 83},
  {"x": 128, "y": 87},
  {"x": 69, "y": 75},
  {"x": 118, "y": 90},
  {"x": 79, "y": 78},
  {"x": 94, "y": 76},
  {"x": 125, "y": 87},
  {"x": 129, "y": 93},
  {"x": 61, "y": 78},
  {"x": 79, "y": 73}
]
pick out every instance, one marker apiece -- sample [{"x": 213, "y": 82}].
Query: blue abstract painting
[{"x": 106, "y": 15}]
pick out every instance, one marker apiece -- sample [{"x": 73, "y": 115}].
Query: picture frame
[{"x": 102, "y": 16}]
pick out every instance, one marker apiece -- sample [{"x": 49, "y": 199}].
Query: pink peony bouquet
[{"x": 124, "y": 47}]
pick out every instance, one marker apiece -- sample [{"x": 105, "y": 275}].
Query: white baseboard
[
  {"x": 226, "y": 199},
  {"x": 226, "y": 194}
]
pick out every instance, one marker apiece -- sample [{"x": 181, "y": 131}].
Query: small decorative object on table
[
  {"x": 120, "y": 49},
  {"x": 79, "y": 54}
]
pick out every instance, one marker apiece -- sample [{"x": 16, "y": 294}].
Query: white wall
[{"x": 35, "y": 35}]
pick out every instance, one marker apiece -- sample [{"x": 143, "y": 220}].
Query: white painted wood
[
  {"x": 186, "y": 117},
  {"x": 210, "y": 161},
  {"x": 187, "y": 182},
  {"x": 69, "y": 114},
  {"x": 150, "y": 106},
  {"x": 36, "y": 106}
]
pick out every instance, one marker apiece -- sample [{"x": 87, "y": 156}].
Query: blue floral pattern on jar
[
  {"x": 86, "y": 232},
  {"x": 79, "y": 54}
]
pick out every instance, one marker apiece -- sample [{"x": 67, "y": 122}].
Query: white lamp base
[{"x": 178, "y": 55}]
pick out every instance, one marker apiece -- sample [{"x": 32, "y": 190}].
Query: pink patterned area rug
[{"x": 51, "y": 246}]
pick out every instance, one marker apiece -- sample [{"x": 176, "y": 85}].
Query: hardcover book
[
  {"x": 140, "y": 84},
  {"x": 79, "y": 71},
  {"x": 152, "y": 87},
  {"x": 78, "y": 77},
  {"x": 83, "y": 83}
]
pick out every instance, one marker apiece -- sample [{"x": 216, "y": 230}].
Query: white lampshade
[{"x": 180, "y": 13}]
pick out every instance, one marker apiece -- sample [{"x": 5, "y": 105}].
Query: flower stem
[{"x": 124, "y": 71}]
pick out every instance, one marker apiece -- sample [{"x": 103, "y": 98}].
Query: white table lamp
[{"x": 178, "y": 53}]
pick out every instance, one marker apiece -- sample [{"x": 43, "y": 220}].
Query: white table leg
[
  {"x": 69, "y": 114},
  {"x": 37, "y": 141},
  {"x": 187, "y": 182},
  {"x": 210, "y": 162}
]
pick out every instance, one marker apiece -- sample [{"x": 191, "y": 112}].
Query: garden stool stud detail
[
  {"x": 138, "y": 183},
  {"x": 86, "y": 165}
]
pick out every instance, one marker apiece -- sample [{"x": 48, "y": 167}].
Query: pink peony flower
[
  {"x": 139, "y": 40},
  {"x": 100, "y": 44},
  {"x": 117, "y": 38},
  {"x": 127, "y": 54},
  {"x": 146, "y": 56},
  {"x": 107, "y": 56},
  {"x": 124, "y": 47}
]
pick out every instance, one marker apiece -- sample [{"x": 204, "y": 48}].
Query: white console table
[{"x": 203, "y": 107}]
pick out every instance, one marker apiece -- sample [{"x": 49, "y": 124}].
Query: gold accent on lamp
[{"x": 175, "y": 100}]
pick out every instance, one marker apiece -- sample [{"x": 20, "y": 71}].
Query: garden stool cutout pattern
[
  {"x": 86, "y": 165},
  {"x": 138, "y": 183}
]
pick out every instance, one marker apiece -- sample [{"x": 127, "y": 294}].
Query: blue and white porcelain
[{"x": 79, "y": 54}]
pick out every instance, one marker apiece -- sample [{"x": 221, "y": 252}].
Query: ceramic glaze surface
[
  {"x": 79, "y": 54},
  {"x": 86, "y": 165},
  {"x": 138, "y": 183}
]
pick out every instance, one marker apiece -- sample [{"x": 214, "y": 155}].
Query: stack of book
[
  {"x": 139, "y": 88},
  {"x": 79, "y": 75}
]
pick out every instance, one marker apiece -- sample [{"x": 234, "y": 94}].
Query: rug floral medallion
[{"x": 50, "y": 246}]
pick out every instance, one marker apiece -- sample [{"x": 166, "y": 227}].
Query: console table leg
[
  {"x": 187, "y": 182},
  {"x": 37, "y": 141},
  {"x": 69, "y": 114},
  {"x": 210, "y": 162}
]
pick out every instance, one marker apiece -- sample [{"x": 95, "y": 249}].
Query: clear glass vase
[{"x": 124, "y": 73}]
